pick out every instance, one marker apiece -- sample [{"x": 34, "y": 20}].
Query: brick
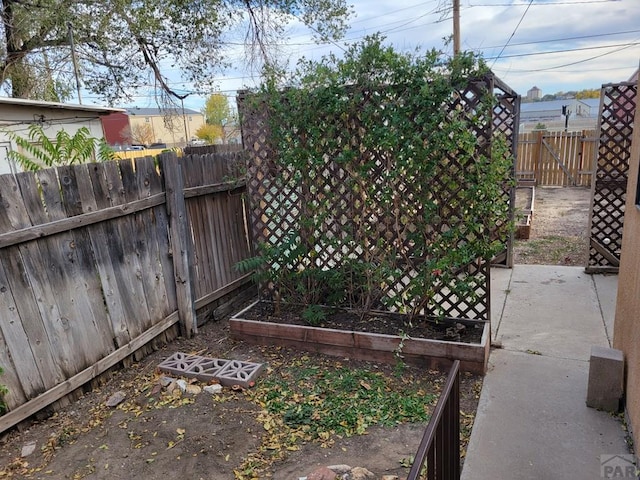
[{"x": 606, "y": 379}]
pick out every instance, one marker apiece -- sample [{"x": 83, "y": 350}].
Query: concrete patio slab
[
  {"x": 552, "y": 310},
  {"x": 533, "y": 422},
  {"x": 607, "y": 289},
  {"x": 500, "y": 279}
]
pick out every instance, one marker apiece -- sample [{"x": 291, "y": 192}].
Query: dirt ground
[
  {"x": 204, "y": 436},
  {"x": 559, "y": 228}
]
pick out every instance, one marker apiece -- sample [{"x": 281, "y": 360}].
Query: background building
[{"x": 18, "y": 114}]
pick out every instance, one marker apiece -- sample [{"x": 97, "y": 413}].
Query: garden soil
[
  {"x": 559, "y": 228},
  {"x": 204, "y": 436}
]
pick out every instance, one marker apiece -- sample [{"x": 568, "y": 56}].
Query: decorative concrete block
[
  {"x": 227, "y": 372},
  {"x": 606, "y": 379}
]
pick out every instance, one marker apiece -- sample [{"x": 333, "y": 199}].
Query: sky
[{"x": 556, "y": 45}]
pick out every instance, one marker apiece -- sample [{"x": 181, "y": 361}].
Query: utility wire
[
  {"x": 514, "y": 32},
  {"x": 624, "y": 45}
]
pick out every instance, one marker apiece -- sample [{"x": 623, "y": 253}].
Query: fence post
[
  {"x": 180, "y": 241},
  {"x": 537, "y": 158}
]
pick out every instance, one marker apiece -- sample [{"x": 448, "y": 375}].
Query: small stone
[
  {"x": 166, "y": 381},
  {"x": 182, "y": 385},
  {"x": 389, "y": 477},
  {"x": 116, "y": 399},
  {"x": 322, "y": 473},
  {"x": 213, "y": 389},
  {"x": 339, "y": 469},
  {"x": 359, "y": 473},
  {"x": 194, "y": 389},
  {"x": 28, "y": 449}
]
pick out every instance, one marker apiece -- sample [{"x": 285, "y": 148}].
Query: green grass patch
[{"x": 303, "y": 402}]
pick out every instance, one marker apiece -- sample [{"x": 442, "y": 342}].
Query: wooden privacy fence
[
  {"x": 556, "y": 158},
  {"x": 97, "y": 260}
]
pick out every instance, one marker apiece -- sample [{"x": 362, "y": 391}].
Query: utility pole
[
  {"x": 184, "y": 118},
  {"x": 456, "y": 27},
  {"x": 75, "y": 62}
]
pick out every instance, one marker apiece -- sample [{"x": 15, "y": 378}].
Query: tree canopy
[
  {"x": 216, "y": 110},
  {"x": 123, "y": 46}
]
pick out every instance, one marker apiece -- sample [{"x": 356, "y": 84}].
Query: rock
[
  {"x": 213, "y": 389},
  {"x": 322, "y": 473},
  {"x": 389, "y": 477},
  {"x": 359, "y": 473},
  {"x": 116, "y": 399},
  {"x": 166, "y": 381},
  {"x": 182, "y": 385},
  {"x": 28, "y": 449},
  {"x": 194, "y": 389},
  {"x": 339, "y": 469}
]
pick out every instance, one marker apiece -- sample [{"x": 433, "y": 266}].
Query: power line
[
  {"x": 515, "y": 55},
  {"x": 581, "y": 37},
  {"x": 582, "y": 2},
  {"x": 585, "y": 60},
  {"x": 512, "y": 34}
]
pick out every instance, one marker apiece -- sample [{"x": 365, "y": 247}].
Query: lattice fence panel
[
  {"x": 354, "y": 228},
  {"x": 617, "y": 111}
]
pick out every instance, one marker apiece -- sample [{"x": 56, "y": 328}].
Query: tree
[
  {"x": 210, "y": 133},
  {"x": 123, "y": 45},
  {"x": 142, "y": 134},
  {"x": 216, "y": 110},
  {"x": 39, "y": 151}
]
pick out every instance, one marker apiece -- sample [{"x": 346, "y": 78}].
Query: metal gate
[{"x": 609, "y": 188}]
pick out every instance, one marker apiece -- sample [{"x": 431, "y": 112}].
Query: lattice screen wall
[
  {"x": 281, "y": 200},
  {"x": 615, "y": 125}
]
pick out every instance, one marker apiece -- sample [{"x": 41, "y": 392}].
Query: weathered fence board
[
  {"x": 95, "y": 264},
  {"x": 556, "y": 158}
]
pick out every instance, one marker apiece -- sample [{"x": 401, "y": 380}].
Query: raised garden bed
[
  {"x": 525, "y": 197},
  {"x": 431, "y": 345}
]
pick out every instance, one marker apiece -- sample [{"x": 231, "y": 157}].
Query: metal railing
[{"x": 438, "y": 456}]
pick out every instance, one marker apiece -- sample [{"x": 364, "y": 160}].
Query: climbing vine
[{"x": 389, "y": 177}]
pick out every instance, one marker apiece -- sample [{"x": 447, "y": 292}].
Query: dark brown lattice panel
[
  {"x": 282, "y": 200},
  {"x": 617, "y": 111}
]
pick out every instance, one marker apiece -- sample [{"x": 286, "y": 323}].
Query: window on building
[{"x": 146, "y": 119}]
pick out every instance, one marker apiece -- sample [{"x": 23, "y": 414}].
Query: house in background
[
  {"x": 173, "y": 127},
  {"x": 583, "y": 114},
  {"x": 534, "y": 93},
  {"x": 18, "y": 114}
]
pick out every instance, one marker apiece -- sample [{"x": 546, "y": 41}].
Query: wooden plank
[
  {"x": 67, "y": 275},
  {"x": 180, "y": 242},
  {"x": 230, "y": 187},
  {"x": 611, "y": 258},
  {"x": 221, "y": 292},
  {"x": 66, "y": 224},
  {"x": 15, "y": 395},
  {"x": 75, "y": 185},
  {"x": 56, "y": 360},
  {"x": 157, "y": 218},
  {"x": 128, "y": 266},
  {"x": 136, "y": 182},
  {"x": 28, "y": 287},
  {"x": 25, "y": 411},
  {"x": 555, "y": 156},
  {"x": 122, "y": 288},
  {"x": 197, "y": 214},
  {"x": 115, "y": 298}
]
